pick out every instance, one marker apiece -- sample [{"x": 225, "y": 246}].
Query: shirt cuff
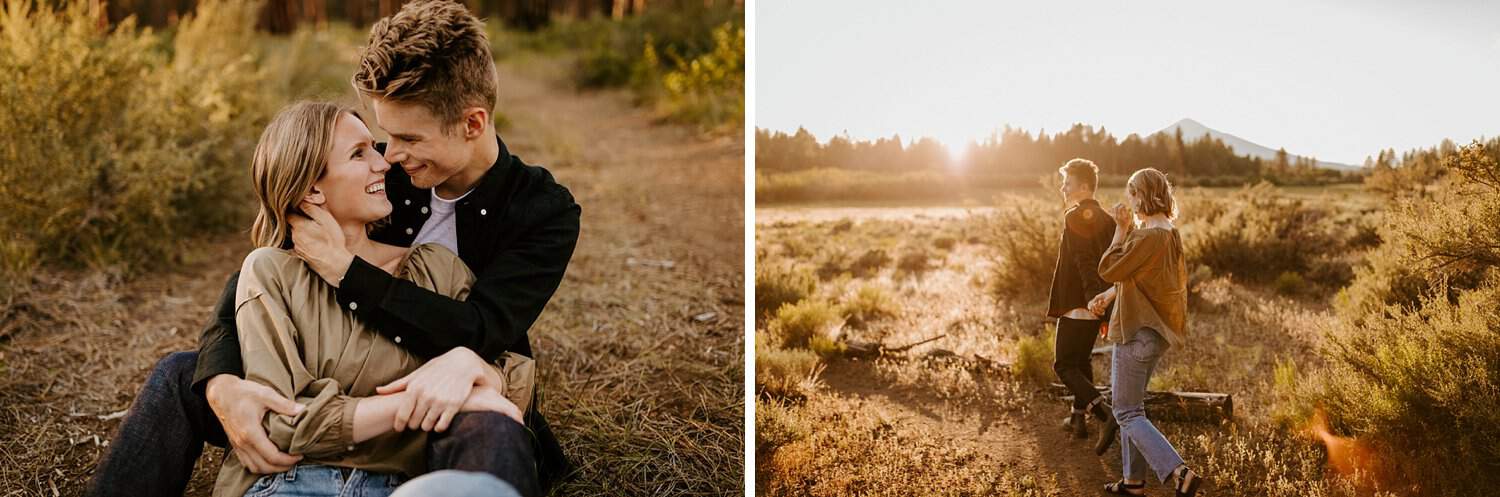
[
  {"x": 363, "y": 287},
  {"x": 346, "y": 423},
  {"x": 214, "y": 360}
]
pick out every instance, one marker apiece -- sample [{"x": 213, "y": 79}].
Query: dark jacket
[
  {"x": 516, "y": 232},
  {"x": 1087, "y": 231}
]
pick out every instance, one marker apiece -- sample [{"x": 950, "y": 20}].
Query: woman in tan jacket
[
  {"x": 296, "y": 338},
  {"x": 1145, "y": 263}
]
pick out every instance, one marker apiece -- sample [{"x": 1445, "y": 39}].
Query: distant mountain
[{"x": 1192, "y": 130}]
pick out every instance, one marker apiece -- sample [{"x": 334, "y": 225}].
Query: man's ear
[{"x": 475, "y": 121}]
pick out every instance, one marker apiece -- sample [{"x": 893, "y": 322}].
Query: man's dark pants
[
  {"x": 1075, "y": 346},
  {"x": 162, "y": 435}
]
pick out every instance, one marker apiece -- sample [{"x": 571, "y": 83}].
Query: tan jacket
[
  {"x": 1150, "y": 277},
  {"x": 296, "y": 339}
]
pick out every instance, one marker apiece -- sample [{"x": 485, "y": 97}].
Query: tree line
[{"x": 1011, "y": 152}]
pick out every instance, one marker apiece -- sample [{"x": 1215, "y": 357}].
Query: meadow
[{"x": 902, "y": 347}]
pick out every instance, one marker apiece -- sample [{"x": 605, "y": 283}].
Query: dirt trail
[
  {"x": 641, "y": 349},
  {"x": 1025, "y": 441}
]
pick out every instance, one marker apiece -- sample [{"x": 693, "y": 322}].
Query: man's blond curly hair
[{"x": 433, "y": 53}]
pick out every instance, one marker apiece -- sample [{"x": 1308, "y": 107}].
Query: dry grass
[
  {"x": 953, "y": 402},
  {"x": 644, "y": 391}
]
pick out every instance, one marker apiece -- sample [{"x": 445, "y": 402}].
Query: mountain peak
[{"x": 1193, "y": 130}]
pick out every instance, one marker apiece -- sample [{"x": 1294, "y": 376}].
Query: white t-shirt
[{"x": 439, "y": 227}]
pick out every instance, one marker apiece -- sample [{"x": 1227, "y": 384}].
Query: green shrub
[
  {"x": 866, "y": 305},
  {"x": 1289, "y": 283},
  {"x": 1024, "y": 235},
  {"x": 1257, "y": 234},
  {"x": 687, "y": 57},
  {"x": 869, "y": 263},
  {"x": 1033, "y": 358},
  {"x": 795, "y": 324},
  {"x": 776, "y": 286},
  {"x": 781, "y": 372},
  {"x": 153, "y": 144},
  {"x": 1425, "y": 382},
  {"x": 825, "y": 347},
  {"x": 914, "y": 261},
  {"x": 1412, "y": 364}
]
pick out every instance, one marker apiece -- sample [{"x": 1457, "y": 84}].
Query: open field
[{"x": 968, "y": 413}]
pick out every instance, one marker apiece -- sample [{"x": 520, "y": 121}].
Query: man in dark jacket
[
  {"x": 458, "y": 186},
  {"x": 1086, "y": 234}
]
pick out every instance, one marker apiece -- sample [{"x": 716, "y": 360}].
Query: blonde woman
[
  {"x": 297, "y": 339},
  {"x": 1145, "y": 263}
]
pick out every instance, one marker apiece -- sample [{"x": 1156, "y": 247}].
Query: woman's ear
[{"x": 315, "y": 197}]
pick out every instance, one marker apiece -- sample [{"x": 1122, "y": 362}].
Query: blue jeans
[
  {"x": 454, "y": 483},
  {"x": 316, "y": 480},
  {"x": 1129, "y": 373},
  {"x": 158, "y": 443}
]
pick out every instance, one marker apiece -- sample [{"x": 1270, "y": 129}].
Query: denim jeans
[
  {"x": 162, "y": 435},
  {"x": 453, "y": 483},
  {"x": 314, "y": 480},
  {"x": 1073, "y": 364},
  {"x": 1140, "y": 443}
]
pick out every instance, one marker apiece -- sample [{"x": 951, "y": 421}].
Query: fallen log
[
  {"x": 866, "y": 350},
  {"x": 1178, "y": 406}
]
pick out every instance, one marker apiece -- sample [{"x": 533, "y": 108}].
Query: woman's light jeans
[
  {"x": 452, "y": 483},
  {"x": 315, "y": 480},
  {"x": 1129, "y": 373}
]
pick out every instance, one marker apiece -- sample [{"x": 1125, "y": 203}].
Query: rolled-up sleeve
[
  {"x": 272, "y": 357},
  {"x": 1122, "y": 260}
]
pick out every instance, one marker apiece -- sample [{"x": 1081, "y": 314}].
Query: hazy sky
[{"x": 1338, "y": 80}]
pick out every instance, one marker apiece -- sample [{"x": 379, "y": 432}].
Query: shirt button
[
  {"x": 408, "y": 201},
  {"x": 424, "y": 210},
  {"x": 482, "y": 212},
  {"x": 351, "y": 448},
  {"x": 398, "y": 339},
  {"x": 353, "y": 305},
  {"x": 408, "y": 231}
]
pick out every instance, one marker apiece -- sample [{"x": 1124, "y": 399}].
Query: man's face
[
  {"x": 1073, "y": 189},
  {"x": 419, "y": 144}
]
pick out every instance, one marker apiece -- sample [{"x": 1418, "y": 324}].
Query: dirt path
[
  {"x": 641, "y": 349},
  {"x": 1026, "y": 440}
]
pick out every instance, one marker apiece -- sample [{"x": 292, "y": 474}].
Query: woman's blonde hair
[
  {"x": 292, "y": 154},
  {"x": 1152, "y": 192}
]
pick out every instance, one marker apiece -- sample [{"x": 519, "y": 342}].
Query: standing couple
[
  {"x": 1125, "y": 267},
  {"x": 379, "y": 331}
]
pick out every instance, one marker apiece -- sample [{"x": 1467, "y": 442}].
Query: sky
[{"x": 1335, "y": 80}]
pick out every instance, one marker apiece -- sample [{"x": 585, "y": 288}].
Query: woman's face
[{"x": 352, "y": 188}]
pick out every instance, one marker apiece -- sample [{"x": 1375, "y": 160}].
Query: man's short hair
[
  {"x": 1082, "y": 169},
  {"x": 433, "y": 53}
]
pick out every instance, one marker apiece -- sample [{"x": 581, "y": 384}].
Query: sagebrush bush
[
  {"x": 778, "y": 285},
  {"x": 793, "y": 325},
  {"x": 1414, "y": 363},
  {"x": 869, "y": 263},
  {"x": 121, "y": 142},
  {"x": 1425, "y": 381},
  {"x": 1033, "y": 358},
  {"x": 867, "y": 304},
  {"x": 687, "y": 58},
  {"x": 781, "y": 372},
  {"x": 1258, "y": 234},
  {"x": 1024, "y": 235}
]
